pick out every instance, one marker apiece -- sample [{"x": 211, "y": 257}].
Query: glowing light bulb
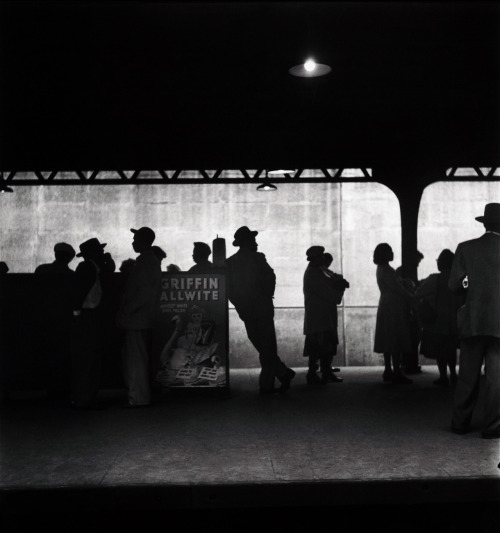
[{"x": 309, "y": 65}]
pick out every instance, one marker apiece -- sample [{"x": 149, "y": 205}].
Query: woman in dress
[
  {"x": 440, "y": 336},
  {"x": 392, "y": 331}
]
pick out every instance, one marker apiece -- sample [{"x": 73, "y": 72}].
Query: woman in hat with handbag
[
  {"x": 437, "y": 312},
  {"x": 322, "y": 294}
]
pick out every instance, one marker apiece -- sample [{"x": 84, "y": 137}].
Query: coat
[
  {"x": 320, "y": 301},
  {"x": 439, "y": 337},
  {"x": 392, "y": 330},
  {"x": 55, "y": 292},
  {"x": 435, "y": 291},
  {"x": 140, "y": 298},
  {"x": 250, "y": 283},
  {"x": 205, "y": 267},
  {"x": 479, "y": 260},
  {"x": 88, "y": 289}
]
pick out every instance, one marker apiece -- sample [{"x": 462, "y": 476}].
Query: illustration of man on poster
[
  {"x": 190, "y": 349},
  {"x": 192, "y": 336}
]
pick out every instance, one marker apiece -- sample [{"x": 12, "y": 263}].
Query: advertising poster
[{"x": 191, "y": 339}]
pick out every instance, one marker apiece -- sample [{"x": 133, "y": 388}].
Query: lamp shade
[{"x": 267, "y": 186}]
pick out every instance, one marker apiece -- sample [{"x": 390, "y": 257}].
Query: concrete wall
[
  {"x": 349, "y": 219},
  {"x": 447, "y": 217}
]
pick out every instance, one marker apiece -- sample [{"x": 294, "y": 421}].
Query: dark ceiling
[{"x": 149, "y": 85}]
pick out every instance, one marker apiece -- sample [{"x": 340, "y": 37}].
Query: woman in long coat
[
  {"x": 440, "y": 336},
  {"x": 320, "y": 319},
  {"x": 392, "y": 331}
]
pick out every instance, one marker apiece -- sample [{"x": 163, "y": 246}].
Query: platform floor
[{"x": 349, "y": 447}]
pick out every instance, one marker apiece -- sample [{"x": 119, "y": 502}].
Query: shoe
[
  {"x": 492, "y": 435},
  {"x": 130, "y": 406},
  {"x": 459, "y": 431},
  {"x": 442, "y": 382},
  {"x": 286, "y": 381},
  {"x": 335, "y": 369},
  {"x": 387, "y": 376},
  {"x": 313, "y": 379},
  {"x": 330, "y": 377},
  {"x": 453, "y": 379},
  {"x": 399, "y": 379}
]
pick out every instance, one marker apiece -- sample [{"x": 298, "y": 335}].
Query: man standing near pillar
[
  {"x": 476, "y": 268},
  {"x": 136, "y": 316},
  {"x": 410, "y": 359},
  {"x": 250, "y": 286}
]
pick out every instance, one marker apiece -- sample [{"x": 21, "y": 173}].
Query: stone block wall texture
[{"x": 349, "y": 219}]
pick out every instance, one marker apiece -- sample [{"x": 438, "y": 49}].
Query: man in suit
[
  {"x": 250, "y": 286},
  {"x": 55, "y": 283},
  {"x": 476, "y": 268}
]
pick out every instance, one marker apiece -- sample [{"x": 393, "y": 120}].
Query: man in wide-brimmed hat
[
  {"x": 87, "y": 339},
  {"x": 95, "y": 249},
  {"x": 136, "y": 316},
  {"x": 476, "y": 268},
  {"x": 250, "y": 286}
]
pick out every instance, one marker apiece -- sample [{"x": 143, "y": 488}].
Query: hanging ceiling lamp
[
  {"x": 267, "y": 185},
  {"x": 310, "y": 69}
]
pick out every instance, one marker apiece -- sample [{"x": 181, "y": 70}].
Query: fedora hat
[
  {"x": 491, "y": 213},
  {"x": 243, "y": 234},
  {"x": 90, "y": 246}
]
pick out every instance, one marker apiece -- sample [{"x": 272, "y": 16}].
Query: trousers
[
  {"x": 136, "y": 365},
  {"x": 86, "y": 357},
  {"x": 475, "y": 351},
  {"x": 262, "y": 335}
]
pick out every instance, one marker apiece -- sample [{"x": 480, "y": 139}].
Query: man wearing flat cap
[
  {"x": 136, "y": 316},
  {"x": 87, "y": 336},
  {"x": 201, "y": 253},
  {"x": 476, "y": 269},
  {"x": 54, "y": 289},
  {"x": 64, "y": 253},
  {"x": 250, "y": 285}
]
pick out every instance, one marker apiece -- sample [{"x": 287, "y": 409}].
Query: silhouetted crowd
[{"x": 456, "y": 308}]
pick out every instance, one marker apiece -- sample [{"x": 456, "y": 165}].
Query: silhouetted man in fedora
[
  {"x": 250, "y": 286},
  {"x": 136, "y": 316},
  {"x": 87, "y": 333},
  {"x": 476, "y": 268}
]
